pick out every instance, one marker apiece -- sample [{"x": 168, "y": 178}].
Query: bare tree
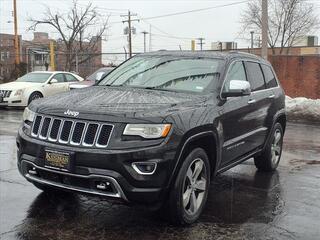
[
  {"x": 289, "y": 20},
  {"x": 75, "y": 28}
]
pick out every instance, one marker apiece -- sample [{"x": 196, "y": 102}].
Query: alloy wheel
[
  {"x": 194, "y": 186},
  {"x": 276, "y": 146}
]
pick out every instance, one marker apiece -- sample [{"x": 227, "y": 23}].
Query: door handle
[
  {"x": 271, "y": 96},
  {"x": 251, "y": 101}
]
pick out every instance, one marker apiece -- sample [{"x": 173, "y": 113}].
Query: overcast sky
[{"x": 216, "y": 24}]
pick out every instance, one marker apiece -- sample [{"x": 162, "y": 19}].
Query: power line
[{"x": 195, "y": 10}]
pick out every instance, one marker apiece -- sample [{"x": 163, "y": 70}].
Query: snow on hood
[
  {"x": 17, "y": 85},
  {"x": 302, "y": 108}
]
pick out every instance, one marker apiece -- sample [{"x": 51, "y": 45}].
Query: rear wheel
[
  {"x": 33, "y": 96},
  {"x": 270, "y": 157},
  {"x": 189, "y": 193}
]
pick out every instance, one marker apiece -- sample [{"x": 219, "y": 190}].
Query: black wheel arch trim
[
  {"x": 277, "y": 116},
  {"x": 213, "y": 133}
]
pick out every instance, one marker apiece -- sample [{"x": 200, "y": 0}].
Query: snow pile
[{"x": 304, "y": 109}]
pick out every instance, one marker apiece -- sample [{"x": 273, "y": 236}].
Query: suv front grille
[
  {"x": 5, "y": 93},
  {"x": 73, "y": 132}
]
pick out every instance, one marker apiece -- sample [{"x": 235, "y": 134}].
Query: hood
[
  {"x": 17, "y": 85},
  {"x": 115, "y": 102}
]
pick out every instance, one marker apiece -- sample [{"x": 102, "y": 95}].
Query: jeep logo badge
[{"x": 71, "y": 113}]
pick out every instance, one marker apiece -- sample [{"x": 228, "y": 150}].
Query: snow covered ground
[{"x": 303, "y": 109}]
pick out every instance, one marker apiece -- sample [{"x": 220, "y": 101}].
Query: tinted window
[
  {"x": 236, "y": 72},
  {"x": 170, "y": 73},
  {"x": 269, "y": 77},
  {"x": 59, "y": 77},
  {"x": 256, "y": 78},
  {"x": 70, "y": 78},
  {"x": 34, "y": 77}
]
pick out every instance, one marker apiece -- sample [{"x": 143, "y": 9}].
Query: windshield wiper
[{"x": 160, "y": 89}]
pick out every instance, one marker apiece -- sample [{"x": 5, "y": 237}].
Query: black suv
[{"x": 157, "y": 129}]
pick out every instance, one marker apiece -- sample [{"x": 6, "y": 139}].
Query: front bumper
[
  {"x": 13, "y": 101},
  {"x": 93, "y": 166}
]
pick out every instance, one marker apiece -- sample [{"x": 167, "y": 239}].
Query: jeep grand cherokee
[{"x": 157, "y": 129}]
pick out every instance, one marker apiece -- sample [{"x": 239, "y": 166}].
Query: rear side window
[
  {"x": 270, "y": 78},
  {"x": 70, "y": 78},
  {"x": 256, "y": 78}
]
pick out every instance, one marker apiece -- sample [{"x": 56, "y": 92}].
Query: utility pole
[
  {"x": 252, "y": 32},
  {"x": 264, "y": 20},
  {"x": 129, "y": 29},
  {"x": 201, "y": 43},
  {"x": 144, "y": 40},
  {"x": 16, "y": 38},
  {"x": 150, "y": 38},
  {"x": 52, "y": 55}
]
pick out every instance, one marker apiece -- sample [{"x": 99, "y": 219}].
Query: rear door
[
  {"x": 260, "y": 103},
  {"x": 70, "y": 79}
]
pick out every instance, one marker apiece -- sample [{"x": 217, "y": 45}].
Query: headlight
[
  {"x": 19, "y": 92},
  {"x": 149, "y": 131},
  {"x": 28, "y": 115}
]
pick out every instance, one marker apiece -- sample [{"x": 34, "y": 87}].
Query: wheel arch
[
  {"x": 208, "y": 141},
  {"x": 280, "y": 117}
]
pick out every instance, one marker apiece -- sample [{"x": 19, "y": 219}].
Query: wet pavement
[{"x": 242, "y": 204}]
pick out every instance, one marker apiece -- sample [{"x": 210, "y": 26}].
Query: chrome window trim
[{"x": 247, "y": 60}]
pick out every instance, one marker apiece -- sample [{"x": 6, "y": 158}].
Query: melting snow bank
[{"x": 303, "y": 109}]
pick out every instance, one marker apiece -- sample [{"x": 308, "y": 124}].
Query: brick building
[
  {"x": 7, "y": 55},
  {"x": 35, "y": 54}
]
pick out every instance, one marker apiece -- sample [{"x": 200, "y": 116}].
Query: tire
[
  {"x": 192, "y": 184},
  {"x": 33, "y": 96},
  {"x": 270, "y": 157}
]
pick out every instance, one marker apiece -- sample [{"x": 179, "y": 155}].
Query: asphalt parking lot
[{"x": 242, "y": 204}]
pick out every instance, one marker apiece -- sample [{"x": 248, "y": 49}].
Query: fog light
[
  {"x": 144, "y": 168},
  {"x": 103, "y": 185},
  {"x": 33, "y": 171}
]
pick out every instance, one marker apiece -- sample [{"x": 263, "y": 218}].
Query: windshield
[
  {"x": 34, "y": 77},
  {"x": 99, "y": 74},
  {"x": 169, "y": 73}
]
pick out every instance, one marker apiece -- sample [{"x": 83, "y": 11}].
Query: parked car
[
  {"x": 93, "y": 78},
  {"x": 35, "y": 85},
  {"x": 157, "y": 130}
]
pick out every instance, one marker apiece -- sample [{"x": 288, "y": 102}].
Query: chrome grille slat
[{"x": 75, "y": 133}]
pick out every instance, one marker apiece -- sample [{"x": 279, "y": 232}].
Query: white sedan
[{"x": 35, "y": 85}]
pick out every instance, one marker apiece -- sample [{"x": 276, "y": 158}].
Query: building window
[
  {"x": 2, "y": 56},
  {"x": 8, "y": 55}
]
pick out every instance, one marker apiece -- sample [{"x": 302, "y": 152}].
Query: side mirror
[
  {"x": 99, "y": 76},
  {"x": 237, "y": 88},
  {"x": 53, "y": 80}
]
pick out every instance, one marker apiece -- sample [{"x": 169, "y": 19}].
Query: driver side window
[
  {"x": 236, "y": 72},
  {"x": 59, "y": 77}
]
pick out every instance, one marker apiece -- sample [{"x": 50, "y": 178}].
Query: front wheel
[
  {"x": 33, "y": 96},
  {"x": 270, "y": 157},
  {"x": 189, "y": 193}
]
